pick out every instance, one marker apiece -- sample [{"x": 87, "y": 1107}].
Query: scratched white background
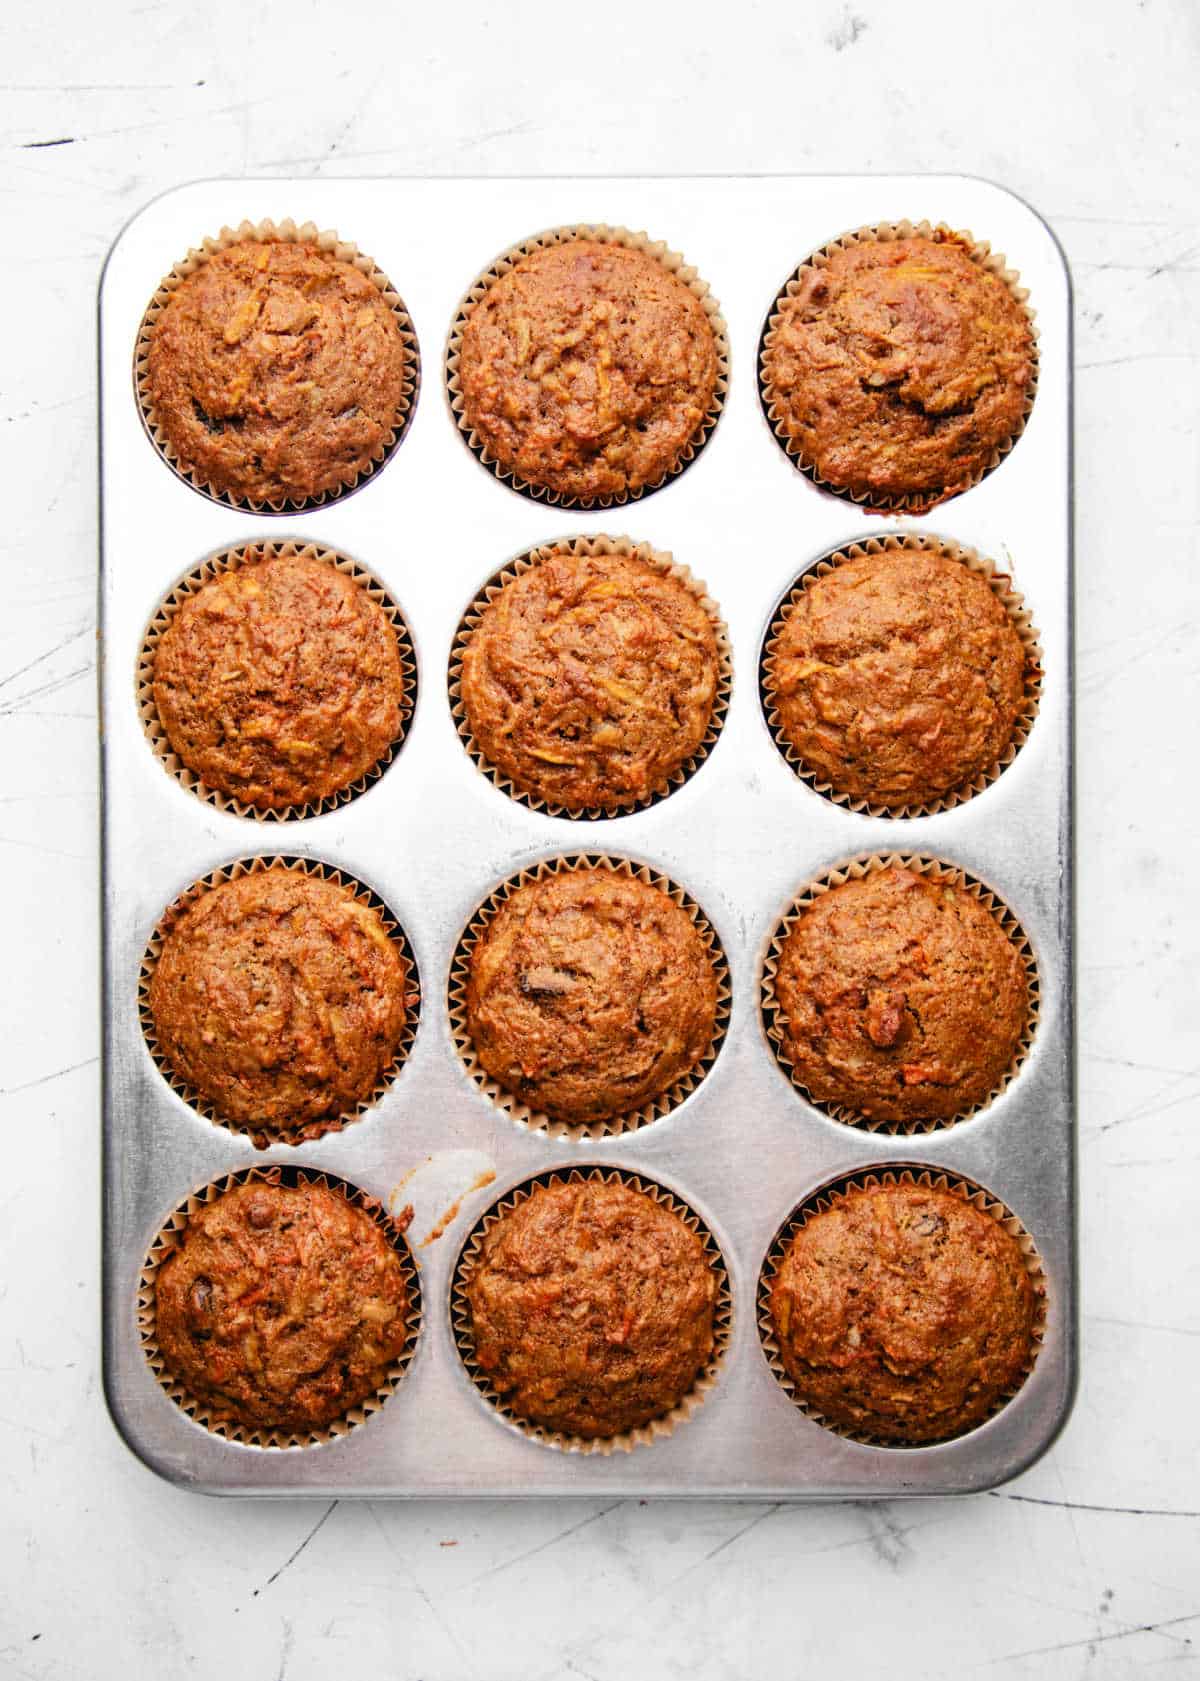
[{"x": 1090, "y": 1564}]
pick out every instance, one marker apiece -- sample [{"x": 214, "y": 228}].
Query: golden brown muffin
[
  {"x": 898, "y": 677},
  {"x": 903, "y": 999},
  {"x": 590, "y": 994},
  {"x": 903, "y": 1313},
  {"x": 900, "y": 367},
  {"x": 587, "y": 369},
  {"x": 279, "y": 681},
  {"x": 280, "y": 999},
  {"x": 282, "y": 1307},
  {"x": 276, "y": 371},
  {"x": 590, "y": 679},
  {"x": 591, "y": 1307}
]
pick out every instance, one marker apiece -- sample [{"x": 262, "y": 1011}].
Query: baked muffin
[
  {"x": 897, "y": 369},
  {"x": 898, "y": 677},
  {"x": 282, "y": 1307},
  {"x": 276, "y": 371},
  {"x": 279, "y": 998},
  {"x": 279, "y": 681},
  {"x": 903, "y": 1313},
  {"x": 590, "y": 993},
  {"x": 587, "y": 369},
  {"x": 591, "y": 1308},
  {"x": 902, "y": 999},
  {"x": 590, "y": 679}
]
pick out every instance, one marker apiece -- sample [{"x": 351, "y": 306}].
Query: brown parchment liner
[
  {"x": 1009, "y": 597},
  {"x": 915, "y": 502},
  {"x": 460, "y": 968},
  {"x": 263, "y": 1138},
  {"x": 663, "y": 562},
  {"x": 287, "y": 232},
  {"x": 461, "y": 1324},
  {"x": 230, "y": 560},
  {"x": 675, "y": 264},
  {"x": 169, "y": 1239},
  {"x": 774, "y": 1020},
  {"x": 871, "y": 1179}
]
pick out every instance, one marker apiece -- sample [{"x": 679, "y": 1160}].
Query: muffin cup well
[
  {"x": 267, "y": 232},
  {"x": 461, "y": 1323},
  {"x": 229, "y": 560},
  {"x": 263, "y": 1138},
  {"x": 928, "y": 1178},
  {"x": 774, "y": 1020},
  {"x": 460, "y": 968},
  {"x": 167, "y": 1242},
  {"x": 1013, "y": 602},
  {"x": 915, "y": 502},
  {"x": 674, "y": 263},
  {"x": 599, "y": 545}
]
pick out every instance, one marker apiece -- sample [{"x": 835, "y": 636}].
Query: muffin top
[
  {"x": 587, "y": 369},
  {"x": 276, "y": 371},
  {"x": 279, "y": 681},
  {"x": 903, "y": 999},
  {"x": 590, "y": 993},
  {"x": 903, "y": 1312},
  {"x": 899, "y": 367},
  {"x": 590, "y": 679},
  {"x": 282, "y": 1307},
  {"x": 592, "y": 1308},
  {"x": 280, "y": 998},
  {"x": 898, "y": 677}
]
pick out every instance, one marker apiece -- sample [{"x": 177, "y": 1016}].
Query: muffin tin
[{"x": 433, "y": 837}]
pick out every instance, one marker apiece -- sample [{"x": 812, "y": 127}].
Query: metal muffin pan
[{"x": 433, "y": 837}]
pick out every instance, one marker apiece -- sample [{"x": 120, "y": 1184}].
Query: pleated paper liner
[
  {"x": 461, "y": 1324},
  {"x": 168, "y": 1240},
  {"x": 343, "y": 251},
  {"x": 460, "y": 967},
  {"x": 263, "y": 1137},
  {"x": 916, "y": 502},
  {"x": 674, "y": 264},
  {"x": 1010, "y": 598},
  {"x": 872, "y": 1178},
  {"x": 518, "y": 567},
  {"x": 937, "y": 869},
  {"x": 230, "y": 560}
]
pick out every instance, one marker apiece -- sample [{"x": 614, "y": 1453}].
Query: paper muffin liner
[
  {"x": 229, "y": 560},
  {"x": 937, "y": 869},
  {"x": 1009, "y": 597},
  {"x": 169, "y": 1239},
  {"x": 464, "y": 1338},
  {"x": 674, "y": 263},
  {"x": 535, "y": 1120},
  {"x": 871, "y": 1179},
  {"x": 264, "y": 1137},
  {"x": 526, "y": 562},
  {"x": 267, "y": 232},
  {"x": 915, "y": 502}
]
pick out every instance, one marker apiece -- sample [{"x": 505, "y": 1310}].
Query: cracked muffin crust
[
  {"x": 282, "y": 1307},
  {"x": 276, "y": 371},
  {"x": 590, "y": 679},
  {"x": 589, "y": 994},
  {"x": 898, "y": 677},
  {"x": 591, "y": 1306},
  {"x": 280, "y": 998},
  {"x": 903, "y": 1312},
  {"x": 902, "y": 998},
  {"x": 899, "y": 367},
  {"x": 279, "y": 681},
  {"x": 587, "y": 369}
]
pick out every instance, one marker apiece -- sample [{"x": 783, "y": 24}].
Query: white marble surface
[{"x": 1090, "y": 1564}]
